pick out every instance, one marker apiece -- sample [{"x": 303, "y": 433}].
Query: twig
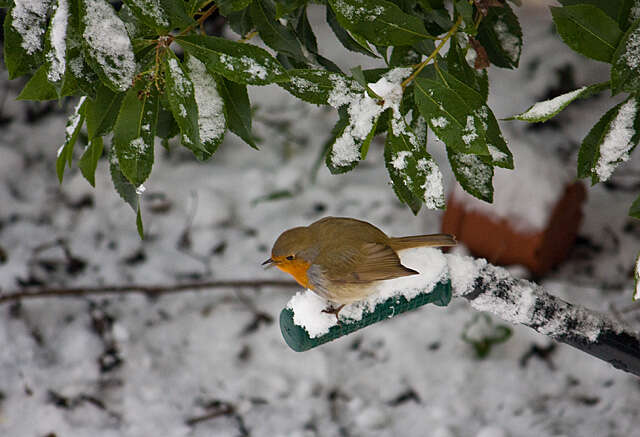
[
  {"x": 424, "y": 63},
  {"x": 152, "y": 290}
]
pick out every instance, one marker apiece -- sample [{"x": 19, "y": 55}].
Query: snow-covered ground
[{"x": 209, "y": 363}]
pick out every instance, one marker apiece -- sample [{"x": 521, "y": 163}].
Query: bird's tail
[{"x": 437, "y": 240}]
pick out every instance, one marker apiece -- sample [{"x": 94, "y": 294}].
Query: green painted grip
[{"x": 298, "y": 339}]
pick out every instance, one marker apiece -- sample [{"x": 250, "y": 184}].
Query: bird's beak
[{"x": 268, "y": 262}]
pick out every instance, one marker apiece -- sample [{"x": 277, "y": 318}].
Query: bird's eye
[{"x": 290, "y": 257}]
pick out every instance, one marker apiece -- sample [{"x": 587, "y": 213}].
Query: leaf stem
[{"x": 424, "y": 63}]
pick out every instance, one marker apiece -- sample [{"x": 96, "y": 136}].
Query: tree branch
[
  {"x": 152, "y": 290},
  {"x": 493, "y": 290}
]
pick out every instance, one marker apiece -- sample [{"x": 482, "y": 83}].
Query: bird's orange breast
[{"x": 297, "y": 269}]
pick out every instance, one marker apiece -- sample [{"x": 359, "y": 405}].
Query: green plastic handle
[{"x": 298, "y": 338}]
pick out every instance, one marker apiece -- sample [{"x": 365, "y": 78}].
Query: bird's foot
[{"x": 335, "y": 311}]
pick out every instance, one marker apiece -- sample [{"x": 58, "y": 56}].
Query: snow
[
  {"x": 56, "y": 56},
  {"x": 440, "y": 122},
  {"x": 187, "y": 352},
  {"x": 469, "y": 132},
  {"x": 211, "y": 117},
  {"x": 109, "y": 44},
  {"x": 636, "y": 274},
  {"x": 617, "y": 143},
  {"x": 526, "y": 195},
  {"x": 183, "y": 86},
  {"x": 152, "y": 9},
  {"x": 28, "y": 19},
  {"x": 549, "y": 107}
]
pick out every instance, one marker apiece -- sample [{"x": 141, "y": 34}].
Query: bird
[{"x": 342, "y": 259}]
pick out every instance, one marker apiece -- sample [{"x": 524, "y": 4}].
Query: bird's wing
[{"x": 369, "y": 262}]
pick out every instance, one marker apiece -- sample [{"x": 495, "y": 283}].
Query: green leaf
[
  {"x": 56, "y": 47},
  {"x": 473, "y": 173},
  {"x": 500, "y": 154},
  {"x": 229, "y": 6},
  {"x": 77, "y": 69},
  {"x": 111, "y": 58},
  {"x": 501, "y": 36},
  {"x": 212, "y": 118},
  {"x": 334, "y": 165},
  {"x": 610, "y": 141},
  {"x": 634, "y": 211},
  {"x": 625, "y": 69},
  {"x": 38, "y": 88},
  {"x": 381, "y": 22},
  {"x": 313, "y": 86},
  {"x": 287, "y": 7},
  {"x": 136, "y": 28},
  {"x": 24, "y": 55},
  {"x": 457, "y": 65},
  {"x": 123, "y": 186},
  {"x": 134, "y": 132},
  {"x": 453, "y": 112},
  {"x": 614, "y": 9},
  {"x": 139, "y": 225},
  {"x": 151, "y": 13},
  {"x": 274, "y": 34},
  {"x": 240, "y": 22},
  {"x": 404, "y": 194},
  {"x": 543, "y": 111},
  {"x": 587, "y": 30},
  {"x": 103, "y": 111},
  {"x": 236, "y": 102},
  {"x": 177, "y": 13},
  {"x": 89, "y": 160},
  {"x": 74, "y": 124},
  {"x": 345, "y": 39},
  {"x": 182, "y": 103},
  {"x": 238, "y": 62},
  {"x": 305, "y": 31},
  {"x": 409, "y": 163},
  {"x": 403, "y": 56},
  {"x": 465, "y": 9}
]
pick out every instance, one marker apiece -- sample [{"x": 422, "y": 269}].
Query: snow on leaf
[
  {"x": 56, "y": 56},
  {"x": 28, "y": 18},
  {"x": 618, "y": 141},
  {"x": 108, "y": 44}
]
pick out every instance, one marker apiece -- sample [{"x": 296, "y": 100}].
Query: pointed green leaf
[
  {"x": 74, "y": 124},
  {"x": 500, "y": 154},
  {"x": 111, "y": 58},
  {"x": 409, "y": 163},
  {"x": 453, "y": 114},
  {"x": 614, "y": 9},
  {"x": 610, "y": 141},
  {"x": 182, "y": 102},
  {"x": 134, "y": 132},
  {"x": 457, "y": 66},
  {"x": 313, "y": 86},
  {"x": 38, "y": 88},
  {"x": 89, "y": 160},
  {"x": 543, "y": 111},
  {"x": 343, "y": 36},
  {"x": 381, "y": 22},
  {"x": 103, "y": 111},
  {"x": 501, "y": 36},
  {"x": 139, "y": 225},
  {"x": 625, "y": 69},
  {"x": 473, "y": 173},
  {"x": 212, "y": 118},
  {"x": 24, "y": 28},
  {"x": 236, "y": 102},
  {"x": 274, "y": 34},
  {"x": 243, "y": 63},
  {"x": 177, "y": 13},
  {"x": 56, "y": 45},
  {"x": 150, "y": 12},
  {"x": 240, "y": 22},
  {"x": 403, "y": 56},
  {"x": 229, "y": 6},
  {"x": 123, "y": 186},
  {"x": 587, "y": 30}
]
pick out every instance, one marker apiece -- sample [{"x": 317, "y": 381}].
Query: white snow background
[{"x": 196, "y": 354}]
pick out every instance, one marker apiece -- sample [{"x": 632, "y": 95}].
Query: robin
[{"x": 342, "y": 259}]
